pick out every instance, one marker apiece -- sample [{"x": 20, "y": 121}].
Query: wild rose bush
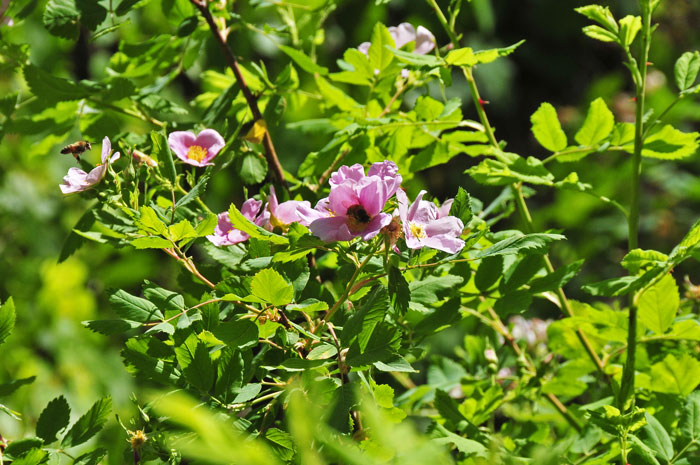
[{"x": 300, "y": 327}]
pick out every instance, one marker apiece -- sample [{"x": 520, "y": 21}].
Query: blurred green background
[{"x": 557, "y": 64}]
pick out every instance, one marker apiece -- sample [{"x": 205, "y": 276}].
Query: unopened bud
[{"x": 143, "y": 159}]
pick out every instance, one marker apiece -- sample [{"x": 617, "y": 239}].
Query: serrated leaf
[
  {"x": 629, "y": 27},
  {"x": 686, "y": 70},
  {"x": 658, "y": 439},
  {"x": 689, "y": 423},
  {"x": 675, "y": 375},
  {"x": 461, "y": 206},
  {"x": 536, "y": 243},
  {"x": 252, "y": 168},
  {"x": 599, "y": 14},
  {"x": 181, "y": 230},
  {"x": 242, "y": 223},
  {"x": 8, "y": 388},
  {"x": 303, "y": 60},
  {"x": 134, "y": 308},
  {"x": 91, "y": 458},
  {"x": 271, "y": 287},
  {"x": 428, "y": 61},
  {"x": 637, "y": 259},
  {"x": 547, "y": 129},
  {"x": 32, "y": 457},
  {"x": 50, "y": 88},
  {"x": 197, "y": 190},
  {"x": 161, "y": 152},
  {"x": 238, "y": 334},
  {"x": 658, "y": 305},
  {"x": 557, "y": 279},
  {"x": 7, "y": 319},
  {"x": 62, "y": 18},
  {"x": 598, "y": 33},
  {"x": 598, "y": 124},
  {"x": 365, "y": 320},
  {"x": 193, "y": 357},
  {"x": 150, "y": 222},
  {"x": 151, "y": 242},
  {"x": 54, "y": 418},
  {"x": 425, "y": 291},
  {"x": 89, "y": 424},
  {"x": 379, "y": 54},
  {"x": 670, "y": 144},
  {"x": 500, "y": 173}
]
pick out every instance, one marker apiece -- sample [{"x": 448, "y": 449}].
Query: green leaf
[
  {"x": 689, "y": 423},
  {"x": 556, "y": 280},
  {"x": 468, "y": 57},
  {"x": 363, "y": 322},
  {"x": 500, "y": 173},
  {"x": 658, "y": 439},
  {"x": 242, "y": 223},
  {"x": 689, "y": 241},
  {"x": 8, "y": 388},
  {"x": 134, "y": 308},
  {"x": 638, "y": 259},
  {"x": 53, "y": 419},
  {"x": 181, "y": 230},
  {"x": 150, "y": 222},
  {"x": 598, "y": 33},
  {"x": 461, "y": 57},
  {"x": 379, "y": 54},
  {"x": 598, "y": 124},
  {"x": 629, "y": 27},
  {"x": 74, "y": 241},
  {"x": 89, "y": 424},
  {"x": 639, "y": 447},
  {"x": 252, "y": 168},
  {"x": 675, "y": 375},
  {"x": 658, "y": 305},
  {"x": 461, "y": 206},
  {"x": 537, "y": 243},
  {"x": 686, "y": 70},
  {"x": 441, "y": 435},
  {"x": 32, "y": 457},
  {"x": 304, "y": 62},
  {"x": 7, "y": 319},
  {"x": 193, "y": 357},
  {"x": 50, "y": 88},
  {"x": 271, "y": 287},
  {"x": 670, "y": 144},
  {"x": 151, "y": 242},
  {"x": 334, "y": 96},
  {"x": 238, "y": 334},
  {"x": 425, "y": 291},
  {"x": 428, "y": 61},
  {"x": 197, "y": 190},
  {"x": 62, "y": 18},
  {"x": 91, "y": 458},
  {"x": 599, "y": 14},
  {"x": 489, "y": 271},
  {"x": 161, "y": 152},
  {"x": 547, "y": 129},
  {"x": 207, "y": 226}
]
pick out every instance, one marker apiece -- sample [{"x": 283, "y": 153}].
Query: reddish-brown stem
[{"x": 270, "y": 153}]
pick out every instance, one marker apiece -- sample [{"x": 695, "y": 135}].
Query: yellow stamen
[
  {"x": 196, "y": 153},
  {"x": 418, "y": 231}
]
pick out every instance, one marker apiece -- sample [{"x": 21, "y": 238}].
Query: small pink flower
[
  {"x": 199, "y": 150},
  {"x": 78, "y": 180},
  {"x": 281, "y": 215},
  {"x": 354, "y": 206},
  {"x": 424, "y": 225},
  {"x": 405, "y": 33},
  {"x": 225, "y": 234}
]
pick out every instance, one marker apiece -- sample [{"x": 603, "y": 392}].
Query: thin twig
[{"x": 270, "y": 153}]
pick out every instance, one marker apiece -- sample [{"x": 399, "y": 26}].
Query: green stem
[
  {"x": 348, "y": 288},
  {"x": 443, "y": 22},
  {"x": 627, "y": 383}
]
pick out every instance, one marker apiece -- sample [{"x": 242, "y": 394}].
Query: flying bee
[{"x": 77, "y": 148}]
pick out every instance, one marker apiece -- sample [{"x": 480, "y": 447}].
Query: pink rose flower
[
  {"x": 78, "y": 180},
  {"x": 424, "y": 225},
  {"x": 196, "y": 151},
  {"x": 354, "y": 206},
  {"x": 225, "y": 234}
]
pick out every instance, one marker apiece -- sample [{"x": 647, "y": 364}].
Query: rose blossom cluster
[{"x": 354, "y": 208}]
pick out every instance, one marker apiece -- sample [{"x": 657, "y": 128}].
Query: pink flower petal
[
  {"x": 354, "y": 173},
  {"x": 449, "y": 225},
  {"x": 444, "y": 210},
  {"x": 425, "y": 41},
  {"x": 342, "y": 197},
  {"x": 364, "y": 48},
  {"x": 180, "y": 142},
  {"x": 377, "y": 223},
  {"x": 250, "y": 208},
  {"x": 445, "y": 243},
  {"x": 331, "y": 229},
  {"x": 106, "y": 148},
  {"x": 402, "y": 34},
  {"x": 210, "y": 140},
  {"x": 372, "y": 195}
]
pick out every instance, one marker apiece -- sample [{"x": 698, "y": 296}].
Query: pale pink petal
[
  {"x": 342, "y": 197},
  {"x": 364, "y": 47},
  {"x": 402, "y": 34},
  {"x": 444, "y": 210},
  {"x": 449, "y": 225},
  {"x": 96, "y": 174},
  {"x": 354, "y": 173},
  {"x": 272, "y": 201},
  {"x": 287, "y": 211},
  {"x": 210, "y": 140},
  {"x": 307, "y": 215},
  {"x": 377, "y": 223},
  {"x": 331, "y": 229},
  {"x": 413, "y": 209},
  {"x": 425, "y": 41},
  {"x": 383, "y": 169},
  {"x": 106, "y": 148},
  {"x": 372, "y": 195},
  {"x": 250, "y": 208},
  {"x": 445, "y": 243},
  {"x": 180, "y": 142},
  {"x": 403, "y": 205}
]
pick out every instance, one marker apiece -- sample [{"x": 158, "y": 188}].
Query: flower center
[
  {"x": 357, "y": 218},
  {"x": 418, "y": 231},
  {"x": 196, "y": 153}
]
